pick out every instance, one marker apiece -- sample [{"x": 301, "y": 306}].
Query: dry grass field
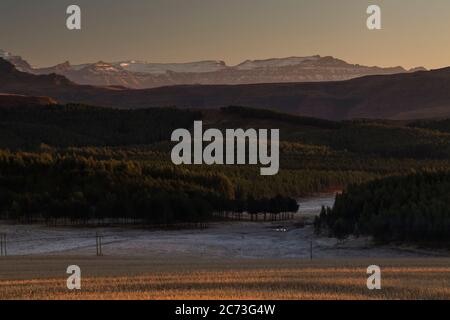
[{"x": 187, "y": 278}]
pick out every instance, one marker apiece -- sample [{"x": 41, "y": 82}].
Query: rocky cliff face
[{"x": 141, "y": 75}]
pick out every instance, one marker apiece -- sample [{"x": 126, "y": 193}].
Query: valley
[
  {"x": 221, "y": 240},
  {"x": 224, "y": 150}
]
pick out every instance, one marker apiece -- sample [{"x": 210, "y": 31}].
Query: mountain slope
[
  {"x": 141, "y": 75},
  {"x": 13, "y": 100},
  {"x": 17, "y": 61},
  {"x": 424, "y": 94},
  {"x": 161, "y": 68}
]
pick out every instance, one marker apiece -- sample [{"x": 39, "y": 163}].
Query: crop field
[{"x": 187, "y": 278}]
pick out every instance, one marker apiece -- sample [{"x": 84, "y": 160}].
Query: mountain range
[
  {"x": 140, "y": 75},
  {"x": 421, "y": 94}
]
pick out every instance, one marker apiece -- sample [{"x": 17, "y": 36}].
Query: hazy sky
[{"x": 415, "y": 32}]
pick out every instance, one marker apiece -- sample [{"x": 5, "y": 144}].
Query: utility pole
[
  {"x": 3, "y": 251},
  {"x": 98, "y": 243},
  {"x": 100, "y": 239}
]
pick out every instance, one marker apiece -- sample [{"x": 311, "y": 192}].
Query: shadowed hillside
[
  {"x": 423, "y": 94},
  {"x": 13, "y": 100}
]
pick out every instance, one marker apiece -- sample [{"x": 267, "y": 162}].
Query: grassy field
[{"x": 187, "y": 278}]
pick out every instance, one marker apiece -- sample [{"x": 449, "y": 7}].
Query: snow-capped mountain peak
[
  {"x": 161, "y": 68},
  {"x": 103, "y": 67},
  {"x": 140, "y": 74},
  {"x": 17, "y": 61},
  {"x": 275, "y": 62},
  {"x": 4, "y": 54}
]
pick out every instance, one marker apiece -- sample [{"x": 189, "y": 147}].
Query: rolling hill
[
  {"x": 418, "y": 95},
  {"x": 14, "y": 100}
]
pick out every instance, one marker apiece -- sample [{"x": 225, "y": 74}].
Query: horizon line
[{"x": 36, "y": 66}]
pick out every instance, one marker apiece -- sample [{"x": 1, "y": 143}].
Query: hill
[
  {"x": 11, "y": 100},
  {"x": 27, "y": 127},
  {"x": 423, "y": 94}
]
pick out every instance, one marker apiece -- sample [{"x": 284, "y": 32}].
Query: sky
[{"x": 414, "y": 32}]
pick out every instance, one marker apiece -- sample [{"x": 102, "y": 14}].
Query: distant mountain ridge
[
  {"x": 141, "y": 75},
  {"x": 418, "y": 95}
]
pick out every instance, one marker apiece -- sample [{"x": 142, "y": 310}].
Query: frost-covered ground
[{"x": 220, "y": 240}]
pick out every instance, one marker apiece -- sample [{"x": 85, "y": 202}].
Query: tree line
[
  {"x": 412, "y": 208},
  {"x": 76, "y": 189}
]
